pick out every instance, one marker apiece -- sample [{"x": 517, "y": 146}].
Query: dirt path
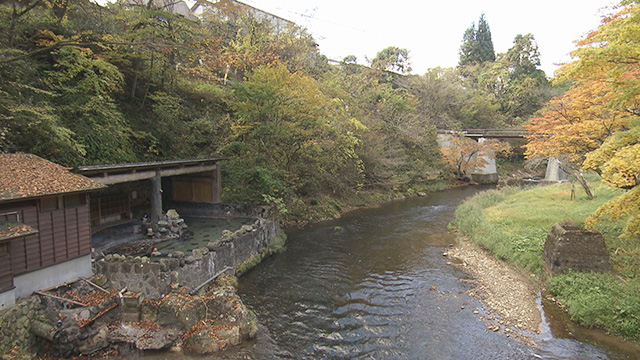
[{"x": 507, "y": 293}]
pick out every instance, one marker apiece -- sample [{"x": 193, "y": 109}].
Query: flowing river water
[{"x": 374, "y": 285}]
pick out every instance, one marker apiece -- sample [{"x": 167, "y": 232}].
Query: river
[{"x": 374, "y": 285}]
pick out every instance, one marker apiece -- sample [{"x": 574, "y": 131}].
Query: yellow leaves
[
  {"x": 611, "y": 52},
  {"x": 239, "y": 130},
  {"x": 47, "y": 38},
  {"x": 618, "y": 158},
  {"x": 623, "y": 169},
  {"x": 356, "y": 125},
  {"x": 623, "y": 207}
]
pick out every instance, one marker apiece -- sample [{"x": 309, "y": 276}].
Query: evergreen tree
[
  {"x": 468, "y": 49},
  {"x": 477, "y": 46},
  {"x": 483, "y": 41}
]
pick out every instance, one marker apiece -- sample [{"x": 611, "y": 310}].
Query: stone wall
[
  {"x": 15, "y": 323},
  {"x": 570, "y": 247},
  {"x": 155, "y": 277},
  {"x": 137, "y": 274},
  {"x": 195, "y": 209}
]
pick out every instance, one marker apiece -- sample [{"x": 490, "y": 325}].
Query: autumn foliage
[
  {"x": 576, "y": 123},
  {"x": 463, "y": 155},
  {"x": 595, "y": 124}
]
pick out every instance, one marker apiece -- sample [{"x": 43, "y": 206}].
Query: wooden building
[
  {"x": 45, "y": 234},
  {"x": 145, "y": 186}
]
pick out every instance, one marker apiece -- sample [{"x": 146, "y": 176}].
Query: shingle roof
[
  {"x": 9, "y": 230},
  {"x": 27, "y": 175}
]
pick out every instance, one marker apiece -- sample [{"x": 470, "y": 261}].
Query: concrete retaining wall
[{"x": 53, "y": 275}]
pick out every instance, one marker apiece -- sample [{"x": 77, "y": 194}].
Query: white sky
[{"x": 432, "y": 30}]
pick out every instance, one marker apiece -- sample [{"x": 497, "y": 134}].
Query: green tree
[
  {"x": 398, "y": 149},
  {"x": 484, "y": 41},
  {"x": 523, "y": 58},
  {"x": 469, "y": 50},
  {"x": 392, "y": 58},
  {"x": 284, "y": 130},
  {"x": 513, "y": 83},
  {"x": 477, "y": 45}
]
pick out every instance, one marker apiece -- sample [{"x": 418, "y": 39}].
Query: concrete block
[{"x": 570, "y": 247}]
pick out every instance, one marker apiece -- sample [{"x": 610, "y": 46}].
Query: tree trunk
[
  {"x": 583, "y": 182},
  {"x": 566, "y": 167}
]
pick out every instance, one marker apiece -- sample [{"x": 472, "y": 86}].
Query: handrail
[{"x": 489, "y": 132}]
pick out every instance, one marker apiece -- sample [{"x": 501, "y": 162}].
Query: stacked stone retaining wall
[
  {"x": 15, "y": 323},
  {"x": 155, "y": 278}
]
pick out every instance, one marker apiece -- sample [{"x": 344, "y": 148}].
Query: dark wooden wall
[
  {"x": 63, "y": 234},
  {"x": 6, "y": 280}
]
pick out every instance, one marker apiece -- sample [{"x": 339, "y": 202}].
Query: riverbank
[
  {"x": 512, "y": 225},
  {"x": 507, "y": 292},
  {"x": 307, "y": 211}
]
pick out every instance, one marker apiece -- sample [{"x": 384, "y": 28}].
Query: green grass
[
  {"x": 512, "y": 223},
  {"x": 600, "y": 300}
]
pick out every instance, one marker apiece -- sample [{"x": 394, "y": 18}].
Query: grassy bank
[{"x": 512, "y": 223}]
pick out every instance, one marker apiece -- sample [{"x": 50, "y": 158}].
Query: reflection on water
[{"x": 374, "y": 285}]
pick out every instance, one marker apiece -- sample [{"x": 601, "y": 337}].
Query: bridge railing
[{"x": 490, "y": 133}]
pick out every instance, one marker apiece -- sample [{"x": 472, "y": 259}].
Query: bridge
[
  {"x": 488, "y": 174},
  {"x": 513, "y": 133}
]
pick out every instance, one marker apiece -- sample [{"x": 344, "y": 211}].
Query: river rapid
[{"x": 375, "y": 285}]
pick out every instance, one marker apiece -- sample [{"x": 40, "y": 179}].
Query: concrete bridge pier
[
  {"x": 487, "y": 173},
  {"x": 554, "y": 172}
]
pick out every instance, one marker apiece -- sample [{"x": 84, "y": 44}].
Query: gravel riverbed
[{"x": 510, "y": 296}]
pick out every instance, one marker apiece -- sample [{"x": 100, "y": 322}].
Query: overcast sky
[{"x": 432, "y": 30}]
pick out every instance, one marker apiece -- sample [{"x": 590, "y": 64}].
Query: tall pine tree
[
  {"x": 468, "y": 49},
  {"x": 484, "y": 42},
  {"x": 477, "y": 46}
]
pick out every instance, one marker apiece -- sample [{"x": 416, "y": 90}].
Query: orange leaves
[
  {"x": 576, "y": 123},
  {"x": 10, "y": 230},
  {"x": 595, "y": 123},
  {"x": 463, "y": 154}
]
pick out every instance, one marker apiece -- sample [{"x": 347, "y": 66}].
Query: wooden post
[
  {"x": 216, "y": 184},
  {"x": 156, "y": 200}
]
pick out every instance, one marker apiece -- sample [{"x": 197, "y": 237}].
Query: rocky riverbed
[{"x": 508, "y": 293}]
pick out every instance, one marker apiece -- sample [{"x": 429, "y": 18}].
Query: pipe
[
  {"x": 196, "y": 289},
  {"x": 44, "y": 330}
]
